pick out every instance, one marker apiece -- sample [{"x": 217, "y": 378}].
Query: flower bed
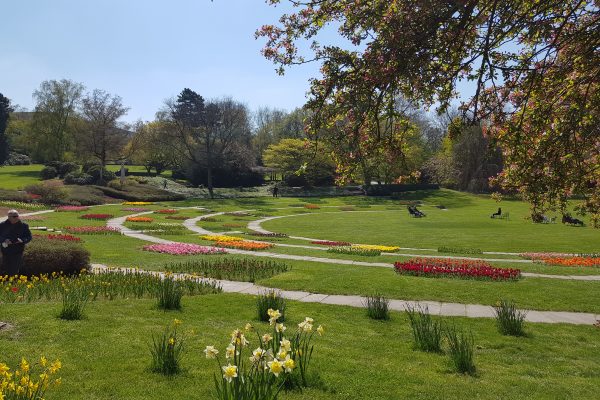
[
  {"x": 99, "y": 217},
  {"x": 67, "y": 238},
  {"x": 238, "y": 214},
  {"x": 22, "y": 205},
  {"x": 72, "y": 208},
  {"x": 270, "y": 234},
  {"x": 177, "y": 217},
  {"x": 166, "y": 211},
  {"x": 183, "y": 249},
  {"x": 32, "y": 218},
  {"x": 93, "y": 230},
  {"x": 137, "y": 203},
  {"x": 233, "y": 225},
  {"x": 312, "y": 206},
  {"x": 139, "y": 219},
  {"x": 459, "y": 268},
  {"x": 135, "y": 209},
  {"x": 221, "y": 238},
  {"x": 354, "y": 251},
  {"x": 459, "y": 250},
  {"x": 330, "y": 243},
  {"x": 244, "y": 245},
  {"x": 375, "y": 247},
  {"x": 542, "y": 256}
]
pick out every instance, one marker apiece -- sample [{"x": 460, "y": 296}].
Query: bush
[
  {"x": 460, "y": 350},
  {"x": 48, "y": 173},
  {"x": 141, "y": 193},
  {"x": 95, "y": 171},
  {"x": 63, "y": 167},
  {"x": 509, "y": 319},
  {"x": 377, "y": 307},
  {"x": 85, "y": 195},
  {"x": 78, "y": 178},
  {"x": 18, "y": 159},
  {"x": 49, "y": 192},
  {"x": 116, "y": 183},
  {"x": 14, "y": 195},
  {"x": 427, "y": 333},
  {"x": 43, "y": 256},
  {"x": 270, "y": 300}
]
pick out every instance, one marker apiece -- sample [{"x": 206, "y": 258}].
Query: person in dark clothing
[
  {"x": 14, "y": 234},
  {"x": 275, "y": 191}
]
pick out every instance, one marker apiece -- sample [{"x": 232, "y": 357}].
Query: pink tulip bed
[
  {"x": 135, "y": 209},
  {"x": 183, "y": 249}
]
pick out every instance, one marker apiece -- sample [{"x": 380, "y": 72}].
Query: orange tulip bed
[{"x": 139, "y": 219}]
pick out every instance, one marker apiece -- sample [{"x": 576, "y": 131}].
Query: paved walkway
[{"x": 433, "y": 307}]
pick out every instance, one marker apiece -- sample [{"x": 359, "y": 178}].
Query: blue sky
[
  {"x": 145, "y": 51},
  {"x": 148, "y": 50}
]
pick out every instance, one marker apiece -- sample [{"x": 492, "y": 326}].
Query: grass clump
[
  {"x": 74, "y": 300},
  {"x": 270, "y": 300},
  {"x": 509, "y": 320},
  {"x": 169, "y": 293},
  {"x": 461, "y": 350},
  {"x": 354, "y": 251},
  {"x": 377, "y": 307},
  {"x": 167, "y": 351},
  {"x": 427, "y": 333}
]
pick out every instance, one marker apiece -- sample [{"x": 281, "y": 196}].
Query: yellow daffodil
[
  {"x": 248, "y": 327},
  {"x": 289, "y": 364},
  {"x": 230, "y": 351},
  {"x": 286, "y": 344},
  {"x": 24, "y": 365},
  {"x": 320, "y": 330},
  {"x": 171, "y": 341},
  {"x": 177, "y": 322},
  {"x": 275, "y": 366},
  {"x": 266, "y": 338},
  {"x": 280, "y": 328},
  {"x": 229, "y": 372}
]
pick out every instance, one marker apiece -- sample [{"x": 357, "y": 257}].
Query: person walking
[
  {"x": 14, "y": 234},
  {"x": 275, "y": 191}
]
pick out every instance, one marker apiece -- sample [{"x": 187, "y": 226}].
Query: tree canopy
[{"x": 535, "y": 65}]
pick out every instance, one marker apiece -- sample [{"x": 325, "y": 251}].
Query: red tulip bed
[
  {"x": 456, "y": 268},
  {"x": 329, "y": 243}
]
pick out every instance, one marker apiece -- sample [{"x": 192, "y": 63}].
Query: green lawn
[
  {"x": 19, "y": 176},
  {"x": 106, "y": 356}
]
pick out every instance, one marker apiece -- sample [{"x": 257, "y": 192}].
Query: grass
[
  {"x": 19, "y": 176},
  {"x": 106, "y": 355}
]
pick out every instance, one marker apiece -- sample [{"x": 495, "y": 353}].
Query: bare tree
[{"x": 101, "y": 134}]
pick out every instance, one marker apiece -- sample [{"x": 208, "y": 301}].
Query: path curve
[{"x": 433, "y": 307}]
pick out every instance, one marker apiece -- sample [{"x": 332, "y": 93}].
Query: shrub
[
  {"x": 427, "y": 333},
  {"x": 116, "y": 183},
  {"x": 49, "y": 192},
  {"x": 168, "y": 294},
  {"x": 95, "y": 172},
  {"x": 45, "y": 256},
  {"x": 377, "y": 307},
  {"x": 78, "y": 178},
  {"x": 509, "y": 320},
  {"x": 48, "y": 173},
  {"x": 460, "y": 350},
  {"x": 18, "y": 159},
  {"x": 63, "y": 167},
  {"x": 246, "y": 269},
  {"x": 15, "y": 195},
  {"x": 141, "y": 193},
  {"x": 74, "y": 300},
  {"x": 167, "y": 350},
  {"x": 270, "y": 300},
  {"x": 85, "y": 195}
]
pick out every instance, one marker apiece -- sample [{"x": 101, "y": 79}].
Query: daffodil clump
[
  {"x": 375, "y": 247},
  {"x": 260, "y": 374},
  {"x": 167, "y": 350},
  {"x": 24, "y": 383}
]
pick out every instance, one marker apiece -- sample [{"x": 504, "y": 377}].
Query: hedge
[
  {"x": 388, "y": 190},
  {"x": 44, "y": 256}
]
